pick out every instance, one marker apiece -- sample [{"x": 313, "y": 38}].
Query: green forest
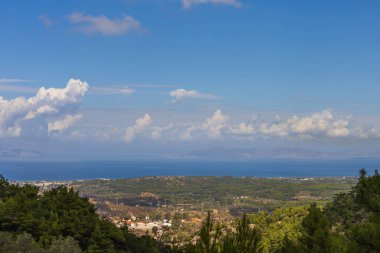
[{"x": 59, "y": 220}]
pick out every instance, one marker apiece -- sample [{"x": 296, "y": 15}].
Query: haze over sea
[{"x": 91, "y": 169}]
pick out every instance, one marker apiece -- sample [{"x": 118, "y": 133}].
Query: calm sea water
[{"x": 58, "y": 170}]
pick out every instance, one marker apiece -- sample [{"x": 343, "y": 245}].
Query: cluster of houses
[{"x": 141, "y": 226}]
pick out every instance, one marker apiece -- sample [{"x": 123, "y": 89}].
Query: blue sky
[{"x": 198, "y": 73}]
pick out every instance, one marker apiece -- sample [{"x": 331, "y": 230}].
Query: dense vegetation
[
  {"x": 61, "y": 221},
  {"x": 350, "y": 224},
  {"x": 60, "y": 218}
]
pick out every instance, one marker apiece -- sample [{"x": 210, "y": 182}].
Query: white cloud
[
  {"x": 182, "y": 94},
  {"x": 46, "y": 105},
  {"x": 339, "y": 128},
  {"x": 213, "y": 126},
  {"x": 112, "y": 90},
  {"x": 360, "y": 132},
  {"x": 104, "y": 25},
  {"x": 63, "y": 124},
  {"x": 8, "y": 84},
  {"x": 9, "y": 80},
  {"x": 106, "y": 133},
  {"x": 140, "y": 125},
  {"x": 46, "y": 21},
  {"x": 158, "y": 86},
  {"x": 373, "y": 132},
  {"x": 158, "y": 131},
  {"x": 190, "y": 3},
  {"x": 243, "y": 129},
  {"x": 187, "y": 134},
  {"x": 44, "y": 109},
  {"x": 16, "y": 88},
  {"x": 317, "y": 125}
]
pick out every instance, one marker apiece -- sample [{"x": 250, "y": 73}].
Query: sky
[{"x": 164, "y": 78}]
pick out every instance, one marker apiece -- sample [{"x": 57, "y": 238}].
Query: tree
[
  {"x": 247, "y": 237},
  {"x": 316, "y": 232},
  {"x": 205, "y": 241},
  {"x": 64, "y": 245},
  {"x": 356, "y": 214}
]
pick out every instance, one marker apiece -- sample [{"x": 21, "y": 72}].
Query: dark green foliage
[
  {"x": 316, "y": 236},
  {"x": 356, "y": 214},
  {"x": 6, "y": 190},
  {"x": 282, "y": 225},
  {"x": 351, "y": 223},
  {"x": 21, "y": 243},
  {"x": 64, "y": 245},
  {"x": 60, "y": 221},
  {"x": 66, "y": 214},
  {"x": 288, "y": 246},
  {"x": 24, "y": 243}
]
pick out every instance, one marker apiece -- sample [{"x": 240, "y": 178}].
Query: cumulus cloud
[
  {"x": 317, "y": 125},
  {"x": 182, "y": 94},
  {"x": 140, "y": 125},
  {"x": 46, "y": 105},
  {"x": 190, "y": 3},
  {"x": 103, "y": 25},
  {"x": 213, "y": 126},
  {"x": 63, "y": 124}
]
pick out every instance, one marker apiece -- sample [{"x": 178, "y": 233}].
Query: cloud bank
[
  {"x": 54, "y": 111},
  {"x": 319, "y": 125},
  {"x": 324, "y": 125}
]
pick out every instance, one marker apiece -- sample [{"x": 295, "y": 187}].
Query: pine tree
[{"x": 316, "y": 236}]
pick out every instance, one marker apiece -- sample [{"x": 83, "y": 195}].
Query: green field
[{"x": 216, "y": 192}]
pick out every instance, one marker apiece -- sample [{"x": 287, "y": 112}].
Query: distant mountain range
[
  {"x": 216, "y": 153},
  {"x": 254, "y": 153},
  {"x": 18, "y": 153}
]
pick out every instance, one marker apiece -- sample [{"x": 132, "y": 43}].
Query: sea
[{"x": 93, "y": 169}]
